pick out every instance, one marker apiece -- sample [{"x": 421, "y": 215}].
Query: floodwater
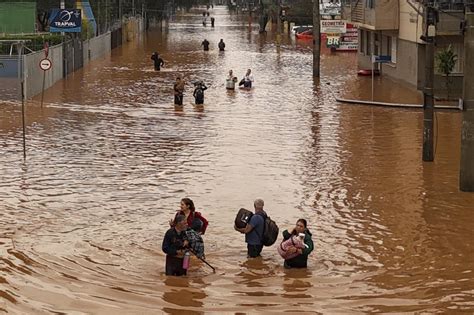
[{"x": 109, "y": 158}]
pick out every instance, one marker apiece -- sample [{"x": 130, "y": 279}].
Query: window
[
  {"x": 394, "y": 48},
  {"x": 369, "y": 4},
  {"x": 388, "y": 45},
  {"x": 368, "y": 43},
  {"x": 362, "y": 41}
]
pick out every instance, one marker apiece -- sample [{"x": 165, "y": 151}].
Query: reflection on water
[{"x": 110, "y": 157}]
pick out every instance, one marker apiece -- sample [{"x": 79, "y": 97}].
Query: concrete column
[
  {"x": 316, "y": 39},
  {"x": 466, "y": 178},
  {"x": 428, "y": 101}
]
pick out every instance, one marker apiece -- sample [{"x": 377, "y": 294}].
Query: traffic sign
[
  {"x": 381, "y": 59},
  {"x": 45, "y": 64}
]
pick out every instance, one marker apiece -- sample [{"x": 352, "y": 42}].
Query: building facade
[{"x": 394, "y": 28}]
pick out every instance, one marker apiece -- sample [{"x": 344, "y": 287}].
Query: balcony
[{"x": 372, "y": 14}]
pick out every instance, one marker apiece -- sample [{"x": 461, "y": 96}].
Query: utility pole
[
  {"x": 466, "y": 178},
  {"x": 278, "y": 23},
  {"x": 316, "y": 39},
  {"x": 428, "y": 103},
  {"x": 19, "y": 48}
]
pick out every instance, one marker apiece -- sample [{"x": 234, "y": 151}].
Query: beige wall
[
  {"x": 387, "y": 17},
  {"x": 411, "y": 24}
]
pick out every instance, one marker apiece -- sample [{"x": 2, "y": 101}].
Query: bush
[
  {"x": 87, "y": 30},
  {"x": 36, "y": 42},
  {"x": 445, "y": 62}
]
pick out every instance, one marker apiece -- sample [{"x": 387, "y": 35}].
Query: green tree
[{"x": 445, "y": 62}]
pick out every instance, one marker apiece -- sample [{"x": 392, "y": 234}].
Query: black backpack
[
  {"x": 199, "y": 94},
  {"x": 270, "y": 230}
]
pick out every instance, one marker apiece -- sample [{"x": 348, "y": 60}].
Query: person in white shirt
[{"x": 230, "y": 81}]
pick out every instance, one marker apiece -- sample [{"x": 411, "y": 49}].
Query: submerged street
[{"x": 109, "y": 158}]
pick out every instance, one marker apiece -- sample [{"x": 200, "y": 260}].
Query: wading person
[
  {"x": 205, "y": 44},
  {"x": 221, "y": 45},
  {"x": 212, "y": 21},
  {"x": 247, "y": 80},
  {"x": 230, "y": 81},
  {"x": 178, "y": 88},
  {"x": 301, "y": 259},
  {"x": 174, "y": 246},
  {"x": 157, "y": 61},
  {"x": 194, "y": 219},
  {"x": 254, "y": 230},
  {"x": 199, "y": 93}
]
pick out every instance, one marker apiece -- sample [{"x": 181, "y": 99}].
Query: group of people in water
[
  {"x": 205, "y": 44},
  {"x": 200, "y": 87},
  {"x": 186, "y": 229}
]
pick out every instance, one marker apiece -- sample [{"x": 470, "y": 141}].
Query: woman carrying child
[{"x": 301, "y": 260}]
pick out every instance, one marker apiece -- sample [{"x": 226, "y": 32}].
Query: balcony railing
[{"x": 381, "y": 16}]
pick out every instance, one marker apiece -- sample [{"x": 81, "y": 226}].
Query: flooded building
[{"x": 393, "y": 28}]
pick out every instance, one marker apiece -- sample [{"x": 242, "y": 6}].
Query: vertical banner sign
[{"x": 65, "y": 20}]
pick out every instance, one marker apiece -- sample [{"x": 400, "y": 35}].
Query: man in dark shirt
[
  {"x": 158, "y": 62},
  {"x": 254, "y": 230},
  {"x": 205, "y": 44},
  {"x": 174, "y": 245},
  {"x": 221, "y": 45}
]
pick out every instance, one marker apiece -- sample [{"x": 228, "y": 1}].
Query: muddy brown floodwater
[{"x": 109, "y": 158}]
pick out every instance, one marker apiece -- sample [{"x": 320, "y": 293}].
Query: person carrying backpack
[
  {"x": 199, "y": 93},
  {"x": 254, "y": 230}
]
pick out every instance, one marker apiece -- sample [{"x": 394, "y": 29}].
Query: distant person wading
[
  {"x": 221, "y": 45},
  {"x": 157, "y": 61},
  {"x": 178, "y": 88},
  {"x": 205, "y": 44}
]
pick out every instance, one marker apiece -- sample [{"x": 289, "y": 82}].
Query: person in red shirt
[{"x": 195, "y": 219}]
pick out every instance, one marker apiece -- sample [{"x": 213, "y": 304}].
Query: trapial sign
[{"x": 45, "y": 64}]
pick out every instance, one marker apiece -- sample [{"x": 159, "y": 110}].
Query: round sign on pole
[{"x": 45, "y": 64}]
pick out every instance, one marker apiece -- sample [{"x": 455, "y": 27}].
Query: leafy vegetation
[{"x": 445, "y": 62}]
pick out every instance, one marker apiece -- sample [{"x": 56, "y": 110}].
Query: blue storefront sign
[{"x": 65, "y": 20}]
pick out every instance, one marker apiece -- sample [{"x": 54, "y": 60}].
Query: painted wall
[
  {"x": 8, "y": 66},
  {"x": 17, "y": 17}
]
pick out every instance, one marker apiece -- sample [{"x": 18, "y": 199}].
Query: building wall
[
  {"x": 411, "y": 23},
  {"x": 406, "y": 66}
]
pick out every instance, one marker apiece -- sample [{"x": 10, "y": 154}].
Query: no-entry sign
[{"x": 45, "y": 64}]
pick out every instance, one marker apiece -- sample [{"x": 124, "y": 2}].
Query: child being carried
[{"x": 296, "y": 241}]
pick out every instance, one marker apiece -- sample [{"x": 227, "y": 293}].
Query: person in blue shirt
[
  {"x": 174, "y": 246},
  {"x": 254, "y": 230}
]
